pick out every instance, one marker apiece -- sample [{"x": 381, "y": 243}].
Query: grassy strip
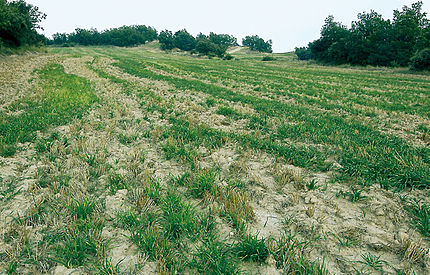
[
  {"x": 159, "y": 234},
  {"x": 366, "y": 154},
  {"x": 64, "y": 97},
  {"x": 303, "y": 81}
]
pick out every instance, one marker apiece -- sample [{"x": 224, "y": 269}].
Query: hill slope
[{"x": 167, "y": 162}]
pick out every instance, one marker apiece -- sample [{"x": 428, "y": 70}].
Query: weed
[
  {"x": 149, "y": 240},
  {"x": 127, "y": 220},
  {"x": 345, "y": 242},
  {"x": 228, "y": 112},
  {"x": 91, "y": 159},
  {"x": 7, "y": 150},
  {"x": 207, "y": 223},
  {"x": 44, "y": 145},
  {"x": 152, "y": 187},
  {"x": 12, "y": 267},
  {"x": 210, "y": 102},
  {"x": 126, "y": 139},
  {"x": 287, "y": 221},
  {"x": 181, "y": 180},
  {"x": 54, "y": 106}
]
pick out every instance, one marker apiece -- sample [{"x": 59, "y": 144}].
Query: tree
[
  {"x": 19, "y": 23},
  {"x": 369, "y": 41},
  {"x": 372, "y": 40},
  {"x": 184, "y": 41},
  {"x": 166, "y": 40},
  {"x": 331, "y": 46},
  {"x": 303, "y": 53},
  {"x": 409, "y": 26},
  {"x": 223, "y": 39},
  {"x": 59, "y": 38},
  {"x": 206, "y": 47},
  {"x": 421, "y": 61},
  {"x": 256, "y": 43}
]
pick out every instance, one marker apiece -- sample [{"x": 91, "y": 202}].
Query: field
[{"x": 137, "y": 161}]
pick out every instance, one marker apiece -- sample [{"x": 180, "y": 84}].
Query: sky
[{"x": 287, "y": 23}]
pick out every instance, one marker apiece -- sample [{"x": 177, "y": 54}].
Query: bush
[
  {"x": 19, "y": 22},
  {"x": 373, "y": 40},
  {"x": 256, "y": 43},
  {"x": 166, "y": 40},
  {"x": 123, "y": 36},
  {"x": 268, "y": 58},
  {"x": 421, "y": 60},
  {"x": 184, "y": 41},
  {"x": 304, "y": 53},
  {"x": 206, "y": 47},
  {"x": 228, "y": 57}
]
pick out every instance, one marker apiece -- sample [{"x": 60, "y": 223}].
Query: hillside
[{"x": 134, "y": 160}]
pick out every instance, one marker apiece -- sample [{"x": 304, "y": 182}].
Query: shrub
[
  {"x": 184, "y": 41},
  {"x": 228, "y": 57},
  {"x": 304, "y": 53},
  {"x": 256, "y": 43},
  {"x": 268, "y": 58},
  {"x": 421, "y": 60},
  {"x": 206, "y": 47},
  {"x": 166, "y": 40}
]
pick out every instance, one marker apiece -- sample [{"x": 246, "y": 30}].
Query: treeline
[
  {"x": 373, "y": 40},
  {"x": 123, "y": 37},
  {"x": 210, "y": 45},
  {"x": 19, "y": 22}
]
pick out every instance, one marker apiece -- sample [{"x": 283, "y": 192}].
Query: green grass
[
  {"x": 302, "y": 114},
  {"x": 178, "y": 216},
  {"x": 8, "y": 189},
  {"x": 251, "y": 248},
  {"x": 204, "y": 184},
  {"x": 289, "y": 254},
  {"x": 80, "y": 244},
  {"x": 372, "y": 261},
  {"x": 116, "y": 182},
  {"x": 421, "y": 213},
  {"x": 367, "y": 154},
  {"x": 82, "y": 208},
  {"x": 64, "y": 97},
  {"x": 354, "y": 195},
  {"x": 214, "y": 257}
]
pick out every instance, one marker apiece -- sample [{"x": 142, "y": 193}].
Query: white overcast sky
[{"x": 288, "y": 23}]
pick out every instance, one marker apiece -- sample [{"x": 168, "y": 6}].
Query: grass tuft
[
  {"x": 251, "y": 248},
  {"x": 214, "y": 257}
]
